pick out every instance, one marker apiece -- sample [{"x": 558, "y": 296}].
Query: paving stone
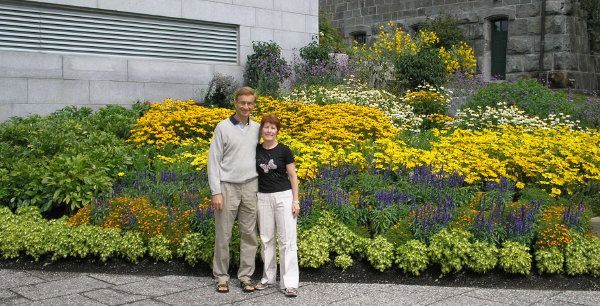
[
  {"x": 7, "y": 294},
  {"x": 113, "y": 297},
  {"x": 578, "y": 297},
  {"x": 461, "y": 300},
  {"x": 187, "y": 282},
  {"x": 60, "y": 288},
  {"x": 310, "y": 294},
  {"x": 17, "y": 279},
  {"x": 511, "y": 296},
  {"x": 118, "y": 279},
  {"x": 424, "y": 295},
  {"x": 149, "y": 287},
  {"x": 149, "y": 302},
  {"x": 54, "y": 275},
  {"x": 74, "y": 299}
]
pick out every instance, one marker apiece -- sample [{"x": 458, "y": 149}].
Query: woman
[{"x": 278, "y": 207}]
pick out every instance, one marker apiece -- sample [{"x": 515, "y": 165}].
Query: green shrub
[
  {"x": 313, "y": 247},
  {"x": 483, "y": 257},
  {"x": 343, "y": 261},
  {"x": 528, "y": 94},
  {"x": 577, "y": 254},
  {"x": 594, "y": 256},
  {"x": 450, "y": 249},
  {"x": 132, "y": 246},
  {"x": 266, "y": 70},
  {"x": 380, "y": 253},
  {"x": 515, "y": 258},
  {"x": 104, "y": 243},
  {"x": 159, "y": 248},
  {"x": 550, "y": 260},
  {"x": 412, "y": 257},
  {"x": 220, "y": 91},
  {"x": 425, "y": 67},
  {"x": 447, "y": 29}
]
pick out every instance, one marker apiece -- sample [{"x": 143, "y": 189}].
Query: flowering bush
[
  {"x": 317, "y": 67},
  {"x": 358, "y": 94},
  {"x": 427, "y": 100},
  {"x": 265, "y": 69},
  {"x": 491, "y": 117}
]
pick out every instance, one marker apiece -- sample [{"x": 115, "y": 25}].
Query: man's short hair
[{"x": 245, "y": 91}]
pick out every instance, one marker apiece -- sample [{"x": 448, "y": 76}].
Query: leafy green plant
[
  {"x": 550, "y": 260},
  {"x": 483, "y": 257},
  {"x": 577, "y": 254},
  {"x": 190, "y": 248},
  {"x": 159, "y": 248},
  {"x": 528, "y": 94},
  {"x": 515, "y": 258},
  {"x": 447, "y": 29},
  {"x": 132, "y": 246},
  {"x": 313, "y": 247},
  {"x": 425, "y": 67},
  {"x": 412, "y": 257},
  {"x": 450, "y": 249},
  {"x": 343, "y": 261},
  {"x": 380, "y": 253},
  {"x": 220, "y": 91}
]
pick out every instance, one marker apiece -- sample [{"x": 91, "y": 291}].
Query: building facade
[
  {"x": 545, "y": 39},
  {"x": 55, "y": 53}
]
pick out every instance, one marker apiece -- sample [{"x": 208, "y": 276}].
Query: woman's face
[{"x": 269, "y": 132}]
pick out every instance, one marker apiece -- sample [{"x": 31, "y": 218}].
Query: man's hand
[{"x": 217, "y": 202}]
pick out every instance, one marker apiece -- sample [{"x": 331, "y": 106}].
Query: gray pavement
[{"x": 32, "y": 287}]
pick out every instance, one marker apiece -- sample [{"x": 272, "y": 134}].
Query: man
[{"x": 233, "y": 182}]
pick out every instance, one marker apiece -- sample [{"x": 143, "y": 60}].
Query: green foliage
[
  {"x": 313, "y": 247},
  {"x": 577, "y": 254},
  {"x": 132, "y": 246},
  {"x": 515, "y": 258},
  {"x": 266, "y": 70},
  {"x": 159, "y": 248},
  {"x": 450, "y": 249},
  {"x": 425, "y": 67},
  {"x": 380, "y": 253},
  {"x": 483, "y": 257},
  {"x": 528, "y": 94},
  {"x": 329, "y": 36},
  {"x": 190, "y": 248},
  {"x": 447, "y": 29},
  {"x": 594, "y": 256},
  {"x": 103, "y": 243},
  {"x": 412, "y": 257},
  {"x": 550, "y": 260},
  {"x": 343, "y": 261}
]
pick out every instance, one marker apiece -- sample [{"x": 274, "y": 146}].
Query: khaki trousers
[
  {"x": 275, "y": 219},
  {"x": 239, "y": 201}
]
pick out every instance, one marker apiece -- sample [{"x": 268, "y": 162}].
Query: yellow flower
[{"x": 121, "y": 173}]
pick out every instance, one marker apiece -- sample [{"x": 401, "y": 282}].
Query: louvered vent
[{"x": 25, "y": 26}]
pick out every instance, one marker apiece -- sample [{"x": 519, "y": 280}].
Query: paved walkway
[{"x": 29, "y": 287}]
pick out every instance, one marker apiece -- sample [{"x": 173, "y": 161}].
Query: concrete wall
[
  {"x": 38, "y": 82},
  {"x": 566, "y": 49}
]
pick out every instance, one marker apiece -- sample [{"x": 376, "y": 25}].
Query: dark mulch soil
[{"x": 361, "y": 272}]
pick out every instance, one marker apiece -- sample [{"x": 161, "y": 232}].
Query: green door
[{"x": 499, "y": 39}]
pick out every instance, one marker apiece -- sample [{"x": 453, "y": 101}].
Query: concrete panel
[
  {"x": 168, "y": 72},
  {"x": 70, "y": 92},
  {"x": 237, "y": 72},
  {"x": 86, "y": 3},
  {"x": 24, "y": 110},
  {"x": 269, "y": 19},
  {"x": 291, "y": 40},
  {"x": 6, "y": 111},
  {"x": 312, "y": 24},
  {"x": 30, "y": 64},
  {"x": 268, "y": 4},
  {"x": 293, "y": 22},
  {"x": 314, "y": 7},
  {"x": 262, "y": 34},
  {"x": 156, "y": 92},
  {"x": 301, "y": 7},
  {"x": 13, "y": 91},
  {"x": 109, "y": 92},
  {"x": 245, "y": 36},
  {"x": 218, "y": 12},
  {"x": 171, "y": 8},
  {"x": 244, "y": 52},
  {"x": 94, "y": 68}
]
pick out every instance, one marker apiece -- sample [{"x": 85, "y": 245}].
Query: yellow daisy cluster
[{"x": 173, "y": 121}]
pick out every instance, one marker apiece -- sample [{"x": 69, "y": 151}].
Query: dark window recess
[
  {"x": 360, "y": 37},
  {"x": 498, "y": 46}
]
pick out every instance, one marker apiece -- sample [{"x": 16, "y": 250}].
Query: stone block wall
[
  {"x": 42, "y": 82},
  {"x": 567, "y": 53}
]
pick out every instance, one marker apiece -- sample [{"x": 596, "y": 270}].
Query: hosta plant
[
  {"x": 577, "y": 254},
  {"x": 450, "y": 249},
  {"x": 483, "y": 257},
  {"x": 159, "y": 249},
  {"x": 550, "y": 260},
  {"x": 380, "y": 253}
]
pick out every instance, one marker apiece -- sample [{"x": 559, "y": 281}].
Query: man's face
[{"x": 244, "y": 105}]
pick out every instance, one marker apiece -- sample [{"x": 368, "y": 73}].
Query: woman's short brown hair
[{"x": 272, "y": 119}]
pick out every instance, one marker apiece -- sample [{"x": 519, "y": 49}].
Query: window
[
  {"x": 359, "y": 37},
  {"x": 499, "y": 40},
  {"x": 40, "y": 27}
]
